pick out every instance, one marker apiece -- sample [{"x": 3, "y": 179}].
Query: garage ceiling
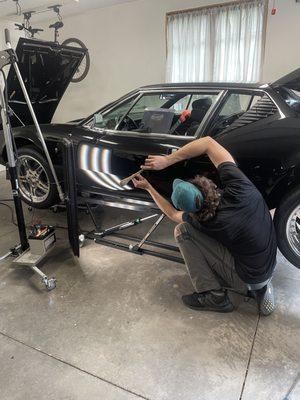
[{"x": 70, "y": 7}]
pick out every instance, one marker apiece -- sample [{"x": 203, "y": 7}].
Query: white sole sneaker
[{"x": 266, "y": 301}]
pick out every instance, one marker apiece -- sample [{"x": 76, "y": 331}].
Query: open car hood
[
  {"x": 290, "y": 81},
  {"x": 46, "y": 68}
]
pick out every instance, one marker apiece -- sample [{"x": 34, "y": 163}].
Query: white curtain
[{"x": 222, "y": 43}]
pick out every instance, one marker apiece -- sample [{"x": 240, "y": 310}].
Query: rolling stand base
[
  {"x": 32, "y": 261},
  {"x": 28, "y": 259}
]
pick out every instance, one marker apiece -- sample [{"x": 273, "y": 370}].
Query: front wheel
[
  {"x": 36, "y": 183},
  {"x": 287, "y": 225}
]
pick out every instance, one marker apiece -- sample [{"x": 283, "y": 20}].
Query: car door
[{"x": 122, "y": 150}]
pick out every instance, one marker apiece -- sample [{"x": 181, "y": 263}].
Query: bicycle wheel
[{"x": 84, "y": 66}]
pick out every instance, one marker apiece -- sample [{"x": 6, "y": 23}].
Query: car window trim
[
  {"x": 222, "y": 93},
  {"x": 205, "y": 122},
  {"x": 189, "y": 102},
  {"x": 191, "y": 93},
  {"x": 251, "y": 91},
  {"x": 129, "y": 110},
  {"x": 148, "y": 135},
  {"x": 139, "y": 94}
]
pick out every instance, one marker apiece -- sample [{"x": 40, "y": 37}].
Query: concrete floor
[{"x": 115, "y": 328}]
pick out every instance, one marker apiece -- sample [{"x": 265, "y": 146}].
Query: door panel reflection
[{"x": 96, "y": 163}]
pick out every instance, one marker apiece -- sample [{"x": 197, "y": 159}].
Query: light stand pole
[
  {"x": 33, "y": 116},
  {"x": 8, "y": 57}
]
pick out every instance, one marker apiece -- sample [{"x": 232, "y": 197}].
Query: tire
[
  {"x": 287, "y": 225},
  {"x": 74, "y": 42},
  {"x": 35, "y": 177}
]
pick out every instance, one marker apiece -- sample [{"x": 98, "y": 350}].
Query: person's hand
[
  {"x": 141, "y": 183},
  {"x": 156, "y": 163}
]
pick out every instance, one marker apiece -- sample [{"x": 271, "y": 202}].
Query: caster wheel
[
  {"x": 81, "y": 239},
  {"x": 50, "y": 284}
]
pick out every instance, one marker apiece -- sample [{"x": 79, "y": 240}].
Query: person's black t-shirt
[{"x": 243, "y": 224}]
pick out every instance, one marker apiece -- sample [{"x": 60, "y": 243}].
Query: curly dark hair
[{"x": 212, "y": 196}]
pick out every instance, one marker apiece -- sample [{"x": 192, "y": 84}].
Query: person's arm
[
  {"x": 161, "y": 202},
  {"x": 216, "y": 153}
]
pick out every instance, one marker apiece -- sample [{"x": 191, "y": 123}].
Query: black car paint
[{"x": 268, "y": 150}]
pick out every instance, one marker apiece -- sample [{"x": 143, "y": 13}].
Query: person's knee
[{"x": 181, "y": 231}]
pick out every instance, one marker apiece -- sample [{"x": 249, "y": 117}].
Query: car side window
[
  {"x": 110, "y": 119},
  {"x": 173, "y": 113},
  {"x": 241, "y": 110},
  {"x": 236, "y": 103},
  {"x": 181, "y": 104},
  {"x": 202, "y": 97},
  {"x": 156, "y": 100},
  {"x": 233, "y": 108},
  {"x": 155, "y": 112}
]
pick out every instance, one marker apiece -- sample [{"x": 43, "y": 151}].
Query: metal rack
[{"x": 134, "y": 244}]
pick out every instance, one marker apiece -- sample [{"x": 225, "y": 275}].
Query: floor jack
[
  {"x": 136, "y": 244},
  {"x": 31, "y": 251}
]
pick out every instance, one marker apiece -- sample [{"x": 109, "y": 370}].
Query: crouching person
[{"x": 226, "y": 236}]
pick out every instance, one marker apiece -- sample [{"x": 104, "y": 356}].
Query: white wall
[
  {"x": 283, "y": 38},
  {"x": 127, "y": 47},
  {"x": 14, "y": 34}
]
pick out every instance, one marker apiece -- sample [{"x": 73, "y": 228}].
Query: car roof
[{"x": 201, "y": 85}]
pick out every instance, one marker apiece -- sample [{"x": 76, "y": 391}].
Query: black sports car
[{"x": 258, "y": 124}]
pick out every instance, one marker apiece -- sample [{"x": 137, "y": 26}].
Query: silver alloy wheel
[
  {"x": 34, "y": 182},
  {"x": 293, "y": 230}
]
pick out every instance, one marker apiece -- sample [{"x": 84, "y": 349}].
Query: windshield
[{"x": 291, "y": 97}]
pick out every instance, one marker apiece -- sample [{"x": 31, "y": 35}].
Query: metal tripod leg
[{"x": 138, "y": 246}]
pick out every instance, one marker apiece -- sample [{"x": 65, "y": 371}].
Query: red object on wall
[{"x": 274, "y": 10}]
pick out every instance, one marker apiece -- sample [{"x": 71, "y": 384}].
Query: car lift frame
[
  {"x": 136, "y": 244},
  {"x": 75, "y": 203}
]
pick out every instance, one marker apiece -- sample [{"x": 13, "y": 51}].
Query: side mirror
[{"x": 97, "y": 120}]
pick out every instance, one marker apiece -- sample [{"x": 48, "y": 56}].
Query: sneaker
[
  {"x": 265, "y": 299},
  {"x": 208, "y": 301}
]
